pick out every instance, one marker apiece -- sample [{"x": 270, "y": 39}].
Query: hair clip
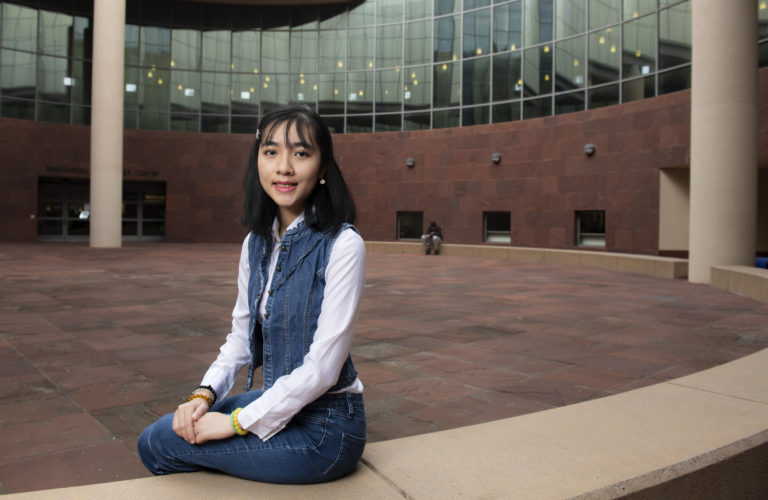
[{"x": 258, "y": 134}]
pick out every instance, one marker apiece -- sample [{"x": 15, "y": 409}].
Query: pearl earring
[{"x": 322, "y": 181}]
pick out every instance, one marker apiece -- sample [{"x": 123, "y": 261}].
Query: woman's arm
[{"x": 345, "y": 281}]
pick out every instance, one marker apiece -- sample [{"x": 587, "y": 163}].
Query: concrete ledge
[
  {"x": 743, "y": 280},
  {"x": 662, "y": 267},
  {"x": 700, "y": 436}
]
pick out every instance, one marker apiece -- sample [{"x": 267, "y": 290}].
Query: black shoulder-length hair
[{"x": 329, "y": 205}]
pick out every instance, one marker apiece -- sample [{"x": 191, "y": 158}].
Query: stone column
[
  {"x": 723, "y": 223},
  {"x": 107, "y": 123}
]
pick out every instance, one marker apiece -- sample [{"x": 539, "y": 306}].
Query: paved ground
[{"x": 96, "y": 344}]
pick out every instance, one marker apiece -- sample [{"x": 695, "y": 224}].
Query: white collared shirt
[{"x": 344, "y": 284}]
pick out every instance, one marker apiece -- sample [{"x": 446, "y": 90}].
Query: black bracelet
[{"x": 208, "y": 388}]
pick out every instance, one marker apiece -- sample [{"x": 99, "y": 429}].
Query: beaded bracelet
[
  {"x": 201, "y": 396},
  {"x": 235, "y": 424},
  {"x": 208, "y": 388}
]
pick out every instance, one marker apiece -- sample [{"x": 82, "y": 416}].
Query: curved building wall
[{"x": 542, "y": 180}]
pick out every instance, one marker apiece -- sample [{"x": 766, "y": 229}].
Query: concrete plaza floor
[{"x": 95, "y": 344}]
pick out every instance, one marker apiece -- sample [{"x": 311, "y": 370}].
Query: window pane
[
  {"x": 639, "y": 56},
  {"x": 82, "y": 42},
  {"x": 507, "y": 82},
  {"x": 151, "y": 120},
  {"x": 475, "y": 4},
  {"x": 539, "y": 19},
  {"x": 534, "y": 108},
  {"x": 418, "y": 42},
  {"x": 475, "y": 116},
  {"x": 359, "y": 124},
  {"x": 244, "y": 124},
  {"x": 388, "y": 123},
  {"x": 80, "y": 87},
  {"x": 603, "y": 96},
  {"x": 275, "y": 51},
  {"x": 245, "y": 94},
  {"x": 13, "y": 108},
  {"x": 304, "y": 18},
  {"x": 304, "y": 89},
  {"x": 388, "y": 90},
  {"x": 477, "y": 33},
  {"x": 18, "y": 74},
  {"x": 477, "y": 76},
  {"x": 416, "y": 121},
  {"x": 446, "y": 85},
  {"x": 58, "y": 113},
  {"x": 333, "y": 49},
  {"x": 185, "y": 49},
  {"x": 675, "y": 35},
  {"x": 360, "y": 92},
  {"x": 331, "y": 93},
  {"x": 217, "y": 50},
  {"x": 446, "y": 118},
  {"x": 130, "y": 93},
  {"x": 446, "y": 6},
  {"x": 410, "y": 225},
  {"x": 304, "y": 51},
  {"x": 677, "y": 79},
  {"x": 447, "y": 35},
  {"x": 389, "y": 46},
  {"x": 538, "y": 71},
  {"x": 19, "y": 27},
  {"x": 154, "y": 90},
  {"x": 361, "y": 48},
  {"x": 155, "y": 47},
  {"x": 54, "y": 33},
  {"x": 498, "y": 226},
  {"x": 506, "y": 112},
  {"x": 571, "y": 17},
  {"x": 246, "y": 46},
  {"x": 762, "y": 19},
  {"x": 639, "y": 88},
  {"x": 335, "y": 124},
  {"x": 418, "y": 9},
  {"x": 216, "y": 124},
  {"x": 132, "y": 51},
  {"x": 389, "y": 11},
  {"x": 603, "y": 12},
  {"x": 275, "y": 92},
  {"x": 570, "y": 59},
  {"x": 185, "y": 91},
  {"x": 53, "y": 82},
  {"x": 604, "y": 56},
  {"x": 568, "y": 103},
  {"x": 417, "y": 88},
  {"x": 184, "y": 122},
  {"x": 636, "y": 8},
  {"x": 507, "y": 27},
  {"x": 362, "y": 15}
]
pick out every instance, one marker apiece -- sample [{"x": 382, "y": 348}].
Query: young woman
[{"x": 301, "y": 277}]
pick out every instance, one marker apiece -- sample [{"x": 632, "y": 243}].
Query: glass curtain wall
[{"x": 376, "y": 65}]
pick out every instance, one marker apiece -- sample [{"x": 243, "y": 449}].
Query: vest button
[
  {"x": 277, "y": 268},
  {"x": 266, "y": 315},
  {"x": 282, "y": 247},
  {"x": 270, "y": 292}
]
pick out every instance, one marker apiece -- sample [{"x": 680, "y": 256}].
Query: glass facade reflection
[{"x": 377, "y": 65}]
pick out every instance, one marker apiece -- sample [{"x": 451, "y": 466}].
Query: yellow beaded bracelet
[
  {"x": 235, "y": 424},
  {"x": 201, "y": 396}
]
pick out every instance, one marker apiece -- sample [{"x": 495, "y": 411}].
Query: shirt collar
[{"x": 276, "y": 225}]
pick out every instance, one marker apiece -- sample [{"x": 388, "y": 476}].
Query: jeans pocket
[
  {"x": 313, "y": 425},
  {"x": 350, "y": 451}
]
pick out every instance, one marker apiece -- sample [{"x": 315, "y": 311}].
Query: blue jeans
[{"x": 322, "y": 442}]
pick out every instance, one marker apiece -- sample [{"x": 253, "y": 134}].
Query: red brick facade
[{"x": 543, "y": 177}]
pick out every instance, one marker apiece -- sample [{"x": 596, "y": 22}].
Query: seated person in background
[{"x": 432, "y": 238}]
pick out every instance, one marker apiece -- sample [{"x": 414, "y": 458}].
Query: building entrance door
[{"x": 63, "y": 210}]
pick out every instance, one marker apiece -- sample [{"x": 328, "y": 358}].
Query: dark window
[
  {"x": 410, "y": 225},
  {"x": 590, "y": 228},
  {"x": 497, "y": 227}
]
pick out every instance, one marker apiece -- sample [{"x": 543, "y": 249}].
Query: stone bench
[
  {"x": 662, "y": 267},
  {"x": 700, "y": 436},
  {"x": 743, "y": 280}
]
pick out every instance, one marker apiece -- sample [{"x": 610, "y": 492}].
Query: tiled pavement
[{"x": 95, "y": 344}]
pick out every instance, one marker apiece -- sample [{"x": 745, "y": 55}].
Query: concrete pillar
[
  {"x": 107, "y": 123},
  {"x": 723, "y": 222}
]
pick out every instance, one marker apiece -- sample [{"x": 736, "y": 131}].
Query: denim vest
[{"x": 293, "y": 304}]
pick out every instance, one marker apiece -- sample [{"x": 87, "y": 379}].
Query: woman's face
[{"x": 288, "y": 171}]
